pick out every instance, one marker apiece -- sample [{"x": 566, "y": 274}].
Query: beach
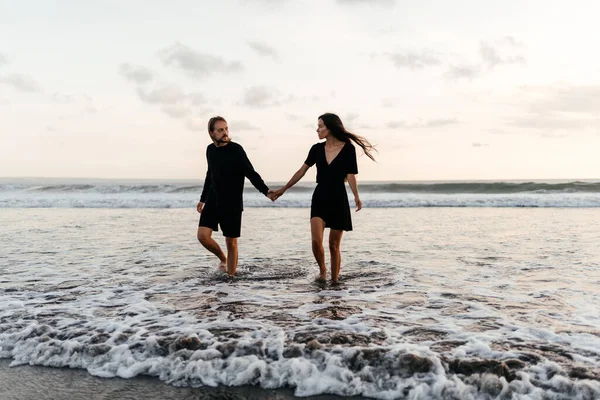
[{"x": 436, "y": 302}]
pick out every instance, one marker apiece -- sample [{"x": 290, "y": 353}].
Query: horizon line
[{"x": 275, "y": 181}]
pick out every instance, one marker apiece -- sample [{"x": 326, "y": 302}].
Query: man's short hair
[{"x": 213, "y": 121}]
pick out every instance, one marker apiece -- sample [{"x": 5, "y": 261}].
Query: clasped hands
[{"x": 275, "y": 194}]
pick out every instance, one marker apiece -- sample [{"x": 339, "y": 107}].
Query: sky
[{"x": 445, "y": 90}]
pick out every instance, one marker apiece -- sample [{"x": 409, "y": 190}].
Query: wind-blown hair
[{"x": 336, "y": 128}]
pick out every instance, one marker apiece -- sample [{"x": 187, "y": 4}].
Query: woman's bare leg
[
  {"x": 317, "y": 227},
  {"x": 335, "y": 239}
]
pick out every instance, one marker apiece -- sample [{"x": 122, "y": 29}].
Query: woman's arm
[
  {"x": 294, "y": 179},
  {"x": 354, "y": 186}
]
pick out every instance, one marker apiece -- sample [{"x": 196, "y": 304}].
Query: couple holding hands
[{"x": 221, "y": 202}]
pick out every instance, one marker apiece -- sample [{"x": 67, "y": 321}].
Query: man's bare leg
[
  {"x": 205, "y": 238},
  {"x": 232, "y": 255},
  {"x": 317, "y": 227},
  {"x": 335, "y": 239}
]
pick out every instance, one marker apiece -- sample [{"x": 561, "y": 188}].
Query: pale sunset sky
[{"x": 446, "y": 90}]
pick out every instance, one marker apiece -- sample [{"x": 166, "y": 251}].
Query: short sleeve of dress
[
  {"x": 311, "y": 159},
  {"x": 351, "y": 164}
]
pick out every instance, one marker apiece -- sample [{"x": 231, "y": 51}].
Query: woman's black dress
[{"x": 330, "y": 200}]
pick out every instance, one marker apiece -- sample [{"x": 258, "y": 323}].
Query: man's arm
[
  {"x": 205, "y": 189},
  {"x": 252, "y": 175}
]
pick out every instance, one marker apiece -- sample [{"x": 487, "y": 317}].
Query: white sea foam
[{"x": 296, "y": 200}]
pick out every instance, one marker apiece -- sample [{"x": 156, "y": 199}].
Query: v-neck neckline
[{"x": 336, "y": 156}]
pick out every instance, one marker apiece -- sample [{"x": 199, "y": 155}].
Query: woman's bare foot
[{"x": 223, "y": 266}]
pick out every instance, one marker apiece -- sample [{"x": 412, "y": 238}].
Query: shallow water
[{"x": 433, "y": 303}]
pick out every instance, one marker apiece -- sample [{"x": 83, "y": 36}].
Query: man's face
[{"x": 221, "y": 132}]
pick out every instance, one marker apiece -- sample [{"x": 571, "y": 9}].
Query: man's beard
[{"x": 224, "y": 139}]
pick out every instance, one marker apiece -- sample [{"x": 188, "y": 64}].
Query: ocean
[
  {"x": 98, "y": 193},
  {"x": 449, "y": 290}
]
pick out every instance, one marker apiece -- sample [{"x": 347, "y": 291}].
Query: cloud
[
  {"x": 388, "y": 103},
  {"x": 552, "y": 121},
  {"x": 366, "y": 127},
  {"x": 90, "y": 109},
  {"x": 3, "y": 60},
  {"x": 197, "y": 98},
  {"x": 173, "y": 100},
  {"x": 502, "y": 53},
  {"x": 90, "y": 106},
  {"x": 264, "y": 50},
  {"x": 260, "y": 96},
  {"x": 440, "y": 122},
  {"x": 463, "y": 72},
  {"x": 136, "y": 73},
  {"x": 369, "y": 2},
  {"x": 242, "y": 126},
  {"x": 350, "y": 118},
  {"x": 86, "y": 104},
  {"x": 552, "y": 135},
  {"x": 62, "y": 98},
  {"x": 176, "y": 111},
  {"x": 166, "y": 94},
  {"x": 269, "y": 3},
  {"x": 195, "y": 64},
  {"x": 567, "y": 98},
  {"x": 477, "y": 144},
  {"x": 432, "y": 123},
  {"x": 492, "y": 57},
  {"x": 196, "y": 124},
  {"x": 414, "y": 60},
  {"x": 560, "y": 108},
  {"x": 512, "y": 41},
  {"x": 21, "y": 82}
]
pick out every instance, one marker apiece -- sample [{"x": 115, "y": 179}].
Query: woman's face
[{"x": 322, "y": 130}]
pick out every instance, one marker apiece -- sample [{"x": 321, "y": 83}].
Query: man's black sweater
[{"x": 224, "y": 184}]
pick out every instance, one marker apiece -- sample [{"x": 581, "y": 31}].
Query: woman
[{"x": 336, "y": 163}]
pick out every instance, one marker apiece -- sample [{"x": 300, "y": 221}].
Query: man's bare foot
[
  {"x": 321, "y": 279},
  {"x": 223, "y": 266}
]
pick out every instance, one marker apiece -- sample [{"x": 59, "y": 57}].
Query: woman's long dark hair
[{"x": 336, "y": 128}]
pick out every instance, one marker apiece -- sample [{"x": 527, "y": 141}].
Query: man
[{"x": 221, "y": 202}]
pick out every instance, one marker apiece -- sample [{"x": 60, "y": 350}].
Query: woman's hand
[
  {"x": 278, "y": 193},
  {"x": 358, "y": 203}
]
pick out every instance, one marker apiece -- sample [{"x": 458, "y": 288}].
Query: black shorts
[{"x": 230, "y": 221}]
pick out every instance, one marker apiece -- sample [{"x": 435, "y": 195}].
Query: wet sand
[{"x": 46, "y": 383}]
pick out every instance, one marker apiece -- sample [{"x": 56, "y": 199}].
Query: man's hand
[
  {"x": 272, "y": 195},
  {"x": 358, "y": 203},
  {"x": 199, "y": 207},
  {"x": 275, "y": 194}
]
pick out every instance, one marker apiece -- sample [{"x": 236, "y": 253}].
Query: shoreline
[{"x": 26, "y": 382}]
